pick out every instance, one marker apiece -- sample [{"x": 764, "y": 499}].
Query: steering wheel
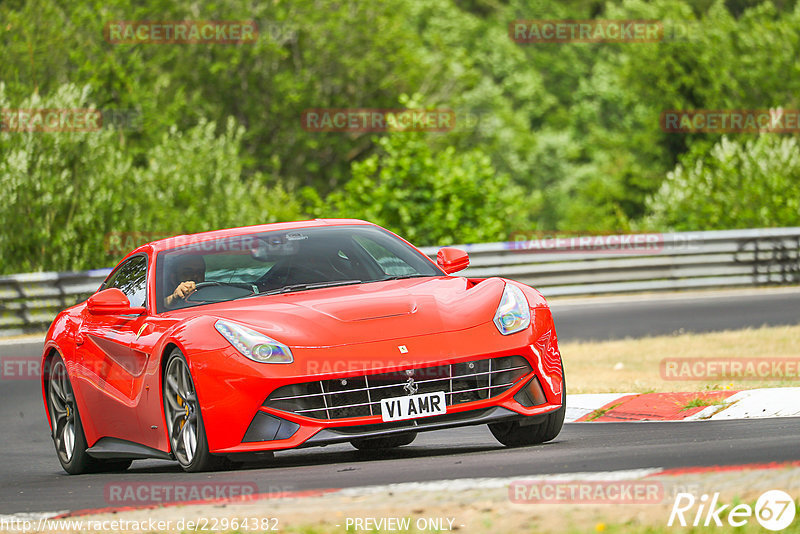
[
  {"x": 324, "y": 277},
  {"x": 288, "y": 274},
  {"x": 212, "y": 283}
]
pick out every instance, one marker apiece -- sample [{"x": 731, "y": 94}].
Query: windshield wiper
[
  {"x": 401, "y": 276},
  {"x": 311, "y": 285}
]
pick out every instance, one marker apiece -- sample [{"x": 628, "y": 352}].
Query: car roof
[{"x": 187, "y": 239}]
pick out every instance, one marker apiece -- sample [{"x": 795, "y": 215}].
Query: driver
[{"x": 188, "y": 271}]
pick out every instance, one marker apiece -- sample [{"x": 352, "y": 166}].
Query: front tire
[
  {"x": 514, "y": 434},
  {"x": 187, "y": 436},
  {"x": 65, "y": 421}
]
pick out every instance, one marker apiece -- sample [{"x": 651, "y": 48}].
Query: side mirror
[
  {"x": 452, "y": 260},
  {"x": 111, "y": 301}
]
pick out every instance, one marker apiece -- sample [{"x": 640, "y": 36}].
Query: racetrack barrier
[{"x": 559, "y": 266}]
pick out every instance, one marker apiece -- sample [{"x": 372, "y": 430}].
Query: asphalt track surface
[
  {"x": 31, "y": 479},
  {"x": 665, "y": 314}
]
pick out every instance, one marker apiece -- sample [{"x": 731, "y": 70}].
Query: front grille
[{"x": 360, "y": 396}]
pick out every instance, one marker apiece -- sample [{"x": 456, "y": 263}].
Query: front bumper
[
  {"x": 328, "y": 436},
  {"x": 232, "y": 390}
]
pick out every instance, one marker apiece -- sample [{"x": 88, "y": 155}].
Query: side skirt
[{"x": 113, "y": 448}]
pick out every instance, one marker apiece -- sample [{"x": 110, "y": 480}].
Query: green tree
[
  {"x": 63, "y": 193},
  {"x": 431, "y": 198},
  {"x": 575, "y": 126},
  {"x": 750, "y": 184}
]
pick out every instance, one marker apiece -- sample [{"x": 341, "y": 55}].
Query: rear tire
[
  {"x": 187, "y": 435},
  {"x": 514, "y": 434},
  {"x": 384, "y": 442}
]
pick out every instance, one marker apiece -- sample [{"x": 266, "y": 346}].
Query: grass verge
[{"x": 633, "y": 365}]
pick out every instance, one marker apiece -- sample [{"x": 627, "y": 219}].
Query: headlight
[
  {"x": 513, "y": 314},
  {"x": 254, "y": 345}
]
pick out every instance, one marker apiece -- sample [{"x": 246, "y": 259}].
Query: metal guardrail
[
  {"x": 29, "y": 302},
  {"x": 581, "y": 265},
  {"x": 590, "y": 265}
]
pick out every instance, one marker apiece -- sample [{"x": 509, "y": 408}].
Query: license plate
[{"x": 413, "y": 406}]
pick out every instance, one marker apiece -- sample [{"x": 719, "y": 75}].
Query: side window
[
  {"x": 388, "y": 261},
  {"x": 131, "y": 279}
]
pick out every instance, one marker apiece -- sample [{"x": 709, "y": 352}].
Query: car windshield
[{"x": 283, "y": 261}]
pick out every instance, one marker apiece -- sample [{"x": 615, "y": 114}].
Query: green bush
[
  {"x": 431, "y": 198},
  {"x": 750, "y": 184},
  {"x": 63, "y": 193},
  {"x": 549, "y": 136}
]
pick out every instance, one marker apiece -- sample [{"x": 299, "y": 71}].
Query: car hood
[{"x": 375, "y": 311}]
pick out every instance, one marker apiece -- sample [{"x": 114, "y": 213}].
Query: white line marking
[
  {"x": 465, "y": 484},
  {"x": 586, "y": 403},
  {"x": 754, "y": 404}
]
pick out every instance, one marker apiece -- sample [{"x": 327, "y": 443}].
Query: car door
[{"x": 113, "y": 368}]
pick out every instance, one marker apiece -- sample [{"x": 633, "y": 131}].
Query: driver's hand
[{"x": 184, "y": 289}]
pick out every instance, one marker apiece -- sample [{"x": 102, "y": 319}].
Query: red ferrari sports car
[{"x": 231, "y": 344}]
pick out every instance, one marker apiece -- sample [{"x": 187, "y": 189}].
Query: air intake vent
[{"x": 360, "y": 396}]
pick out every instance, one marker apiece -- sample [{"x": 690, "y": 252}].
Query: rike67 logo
[{"x": 774, "y": 510}]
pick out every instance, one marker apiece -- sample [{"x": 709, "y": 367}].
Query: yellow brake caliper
[{"x": 185, "y": 407}]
